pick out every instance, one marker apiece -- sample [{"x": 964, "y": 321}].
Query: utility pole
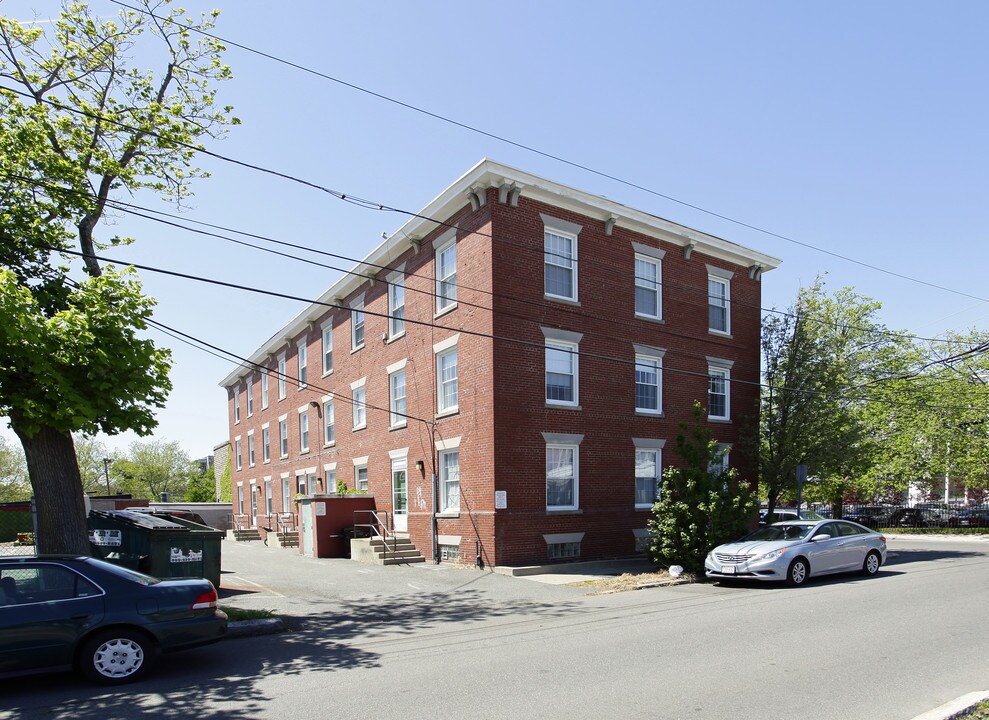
[{"x": 106, "y": 471}]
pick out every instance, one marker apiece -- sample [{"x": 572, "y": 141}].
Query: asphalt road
[{"x": 438, "y": 642}]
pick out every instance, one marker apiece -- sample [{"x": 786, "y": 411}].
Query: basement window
[
  {"x": 449, "y": 552},
  {"x": 563, "y": 551}
]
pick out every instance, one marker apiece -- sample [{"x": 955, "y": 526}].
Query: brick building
[{"x": 505, "y": 373}]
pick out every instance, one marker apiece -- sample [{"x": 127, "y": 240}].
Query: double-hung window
[
  {"x": 648, "y": 281},
  {"x": 267, "y": 495},
  {"x": 562, "y": 471},
  {"x": 560, "y": 258},
  {"x": 239, "y": 462},
  {"x": 360, "y": 473},
  {"x": 358, "y": 397},
  {"x": 264, "y": 388},
  {"x": 250, "y": 396},
  {"x": 648, "y": 471},
  {"x": 562, "y": 363},
  {"x": 718, "y": 389},
  {"x": 250, "y": 448},
  {"x": 648, "y": 380},
  {"x": 286, "y": 493},
  {"x": 236, "y": 404},
  {"x": 265, "y": 443},
  {"x": 449, "y": 480},
  {"x": 718, "y": 300},
  {"x": 304, "y": 428},
  {"x": 357, "y": 323},
  {"x": 281, "y": 377},
  {"x": 328, "y": 421},
  {"x": 446, "y": 271},
  {"x": 303, "y": 362},
  {"x": 328, "y": 347},
  {"x": 283, "y": 436},
  {"x": 396, "y": 304},
  {"x": 447, "y": 376},
  {"x": 396, "y": 395}
]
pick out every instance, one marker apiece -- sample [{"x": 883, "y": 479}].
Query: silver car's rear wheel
[
  {"x": 871, "y": 564},
  {"x": 798, "y": 572}
]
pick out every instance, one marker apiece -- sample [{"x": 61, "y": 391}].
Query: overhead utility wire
[
  {"x": 551, "y": 156},
  {"x": 133, "y": 210},
  {"x": 464, "y": 331}
]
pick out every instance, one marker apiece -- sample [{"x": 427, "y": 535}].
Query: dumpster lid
[{"x": 142, "y": 520}]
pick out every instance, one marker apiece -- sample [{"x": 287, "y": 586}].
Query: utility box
[
  {"x": 163, "y": 548},
  {"x": 323, "y": 521}
]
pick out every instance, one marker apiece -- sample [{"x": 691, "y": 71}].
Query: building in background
[{"x": 505, "y": 374}]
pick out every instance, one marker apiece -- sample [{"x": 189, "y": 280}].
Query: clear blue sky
[{"x": 855, "y": 127}]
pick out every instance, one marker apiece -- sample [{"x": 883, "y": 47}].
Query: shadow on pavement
[{"x": 221, "y": 680}]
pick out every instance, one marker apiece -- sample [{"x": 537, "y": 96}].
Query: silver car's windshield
[{"x": 780, "y": 532}]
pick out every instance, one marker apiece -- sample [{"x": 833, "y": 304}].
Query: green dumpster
[{"x": 165, "y": 548}]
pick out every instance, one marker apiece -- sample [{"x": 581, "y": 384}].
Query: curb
[
  {"x": 250, "y": 628},
  {"x": 959, "y": 707}
]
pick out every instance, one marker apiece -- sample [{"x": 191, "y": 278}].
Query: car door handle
[{"x": 80, "y": 617}]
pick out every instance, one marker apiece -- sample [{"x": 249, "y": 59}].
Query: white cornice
[{"x": 488, "y": 173}]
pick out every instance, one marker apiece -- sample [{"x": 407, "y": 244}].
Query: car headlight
[{"x": 771, "y": 555}]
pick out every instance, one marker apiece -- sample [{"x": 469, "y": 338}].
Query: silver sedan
[{"x": 796, "y": 550}]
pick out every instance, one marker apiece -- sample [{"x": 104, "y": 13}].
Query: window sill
[
  {"x": 563, "y": 300},
  {"x": 648, "y": 413},
  {"x": 650, "y": 318},
  {"x": 448, "y": 413},
  {"x": 448, "y": 309},
  {"x": 392, "y": 338},
  {"x": 356, "y": 349},
  {"x": 574, "y": 511},
  {"x": 360, "y": 427},
  {"x": 304, "y": 452},
  {"x": 330, "y": 444},
  {"x": 720, "y": 333},
  {"x": 327, "y": 373},
  {"x": 397, "y": 427},
  {"x": 561, "y": 406},
  {"x": 447, "y": 515},
  {"x": 721, "y": 420},
  {"x": 643, "y": 508}
]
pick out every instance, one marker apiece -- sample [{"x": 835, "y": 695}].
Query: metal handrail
[{"x": 378, "y": 529}]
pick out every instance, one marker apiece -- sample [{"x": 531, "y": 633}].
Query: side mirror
[{"x": 819, "y": 538}]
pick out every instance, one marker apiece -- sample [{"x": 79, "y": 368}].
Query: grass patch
[
  {"x": 234, "y": 614},
  {"x": 630, "y": 581},
  {"x": 981, "y": 712}
]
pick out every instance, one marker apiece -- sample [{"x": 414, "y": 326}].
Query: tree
[
  {"x": 79, "y": 124},
  {"x": 820, "y": 359},
  {"x": 14, "y": 483},
  {"x": 152, "y": 468},
  {"x": 700, "y": 506},
  {"x": 202, "y": 486},
  {"x": 91, "y": 455}
]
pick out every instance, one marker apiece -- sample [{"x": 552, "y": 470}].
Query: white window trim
[
  {"x": 441, "y": 244},
  {"x": 571, "y": 231},
  {"x": 646, "y": 352},
  {"x": 656, "y": 446},
  {"x": 393, "y": 279},
  {"x": 443, "y": 506},
  {"x": 302, "y": 355},
  {"x": 264, "y": 389},
  {"x": 249, "y": 396},
  {"x": 283, "y": 419},
  {"x": 574, "y": 351},
  {"x": 237, "y": 405},
  {"x": 716, "y": 365},
  {"x": 448, "y": 444},
  {"x": 357, "y": 305},
  {"x": 452, "y": 409},
  {"x": 398, "y": 453},
  {"x": 354, "y": 387},
  {"x": 304, "y": 411},
  {"x": 565, "y": 442},
  {"x": 265, "y": 449},
  {"x": 251, "y": 449},
  {"x": 323, "y": 402},
  {"x": 238, "y": 448},
  {"x": 282, "y": 380},
  {"x": 326, "y": 331},
  {"x": 402, "y": 419},
  {"x": 722, "y": 276},
  {"x": 654, "y": 256}
]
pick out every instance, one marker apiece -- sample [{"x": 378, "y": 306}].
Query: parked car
[
  {"x": 796, "y": 550},
  {"x": 106, "y": 621},
  {"x": 872, "y": 516},
  {"x": 781, "y": 514},
  {"x": 918, "y": 517},
  {"x": 171, "y": 512},
  {"x": 973, "y": 517}
]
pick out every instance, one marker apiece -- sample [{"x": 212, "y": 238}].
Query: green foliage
[
  {"x": 226, "y": 489},
  {"x": 699, "y": 507},
  {"x": 342, "y": 489},
  {"x": 154, "y": 467},
  {"x": 14, "y": 483},
  {"x": 201, "y": 486}
]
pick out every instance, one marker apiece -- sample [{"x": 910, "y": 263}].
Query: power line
[{"x": 548, "y": 155}]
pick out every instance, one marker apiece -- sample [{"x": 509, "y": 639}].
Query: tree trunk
[{"x": 57, "y": 485}]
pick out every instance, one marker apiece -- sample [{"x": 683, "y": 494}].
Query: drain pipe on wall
[{"x": 432, "y": 524}]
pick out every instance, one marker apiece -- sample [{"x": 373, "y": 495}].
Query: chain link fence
[{"x": 16, "y": 529}]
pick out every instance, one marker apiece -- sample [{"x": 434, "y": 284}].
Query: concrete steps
[
  {"x": 246, "y": 535},
  {"x": 373, "y": 551}
]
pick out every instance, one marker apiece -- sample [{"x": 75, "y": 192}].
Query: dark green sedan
[{"x": 106, "y": 621}]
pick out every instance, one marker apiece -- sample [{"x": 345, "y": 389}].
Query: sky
[{"x": 806, "y": 131}]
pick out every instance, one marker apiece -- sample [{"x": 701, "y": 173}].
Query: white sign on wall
[{"x": 501, "y": 499}]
